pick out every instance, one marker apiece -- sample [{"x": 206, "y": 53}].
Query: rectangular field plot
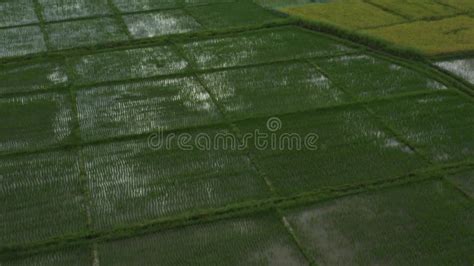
[
  {"x": 17, "y": 12},
  {"x": 127, "y": 64},
  {"x": 231, "y": 15},
  {"x": 327, "y": 148},
  {"x": 90, "y": 32},
  {"x": 128, "y": 109},
  {"x": 54, "y": 10},
  {"x": 160, "y": 23},
  {"x": 422, "y": 224},
  {"x": 277, "y": 4},
  {"x": 71, "y": 256},
  {"x": 463, "y": 68},
  {"x": 452, "y": 35},
  {"x": 32, "y": 77},
  {"x": 272, "y": 89},
  {"x": 418, "y": 9},
  {"x": 143, "y": 5},
  {"x": 136, "y": 181},
  {"x": 464, "y": 180},
  {"x": 21, "y": 41},
  {"x": 33, "y": 122},
  {"x": 439, "y": 125},
  {"x": 254, "y": 240},
  {"x": 261, "y": 46},
  {"x": 40, "y": 197},
  {"x": 366, "y": 76},
  {"x": 349, "y": 14}
]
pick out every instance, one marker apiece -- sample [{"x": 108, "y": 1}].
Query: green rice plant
[
  {"x": 463, "y": 68},
  {"x": 17, "y": 12},
  {"x": 231, "y": 15},
  {"x": 439, "y": 125},
  {"x": 84, "y": 33},
  {"x": 366, "y": 77},
  {"x": 452, "y": 35},
  {"x": 351, "y": 148},
  {"x": 464, "y": 181},
  {"x": 260, "y": 46},
  {"x": 461, "y": 5},
  {"x": 416, "y": 9},
  {"x": 271, "y": 89},
  {"x": 362, "y": 39},
  {"x": 422, "y": 224},
  {"x": 54, "y": 10},
  {"x": 33, "y": 122},
  {"x": 127, "y": 64},
  {"x": 287, "y": 3},
  {"x": 142, "y": 107},
  {"x": 80, "y": 166},
  {"x": 160, "y": 23},
  {"x": 206, "y": 2},
  {"x": 349, "y": 14},
  {"x": 254, "y": 240},
  {"x": 136, "y": 181},
  {"x": 40, "y": 197},
  {"x": 21, "y": 41},
  {"x": 30, "y": 77},
  {"x": 69, "y": 256},
  {"x": 126, "y": 6}
]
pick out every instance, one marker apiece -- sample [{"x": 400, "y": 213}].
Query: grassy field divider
[
  {"x": 140, "y": 43},
  {"x": 42, "y": 23},
  {"x": 353, "y": 36},
  {"x": 291, "y": 231},
  {"x": 89, "y": 17},
  {"x": 445, "y": 57},
  {"x": 362, "y": 39},
  {"x": 427, "y": 67},
  {"x": 457, "y": 188},
  {"x": 118, "y": 17}
]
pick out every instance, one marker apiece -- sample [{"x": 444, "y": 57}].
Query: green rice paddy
[{"x": 85, "y": 86}]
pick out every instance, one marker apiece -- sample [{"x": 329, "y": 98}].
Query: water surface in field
[
  {"x": 463, "y": 68},
  {"x": 288, "y": 3}
]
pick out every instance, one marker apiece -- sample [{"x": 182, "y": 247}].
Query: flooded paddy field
[{"x": 129, "y": 136}]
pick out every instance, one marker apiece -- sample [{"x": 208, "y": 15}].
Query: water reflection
[{"x": 463, "y": 68}]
